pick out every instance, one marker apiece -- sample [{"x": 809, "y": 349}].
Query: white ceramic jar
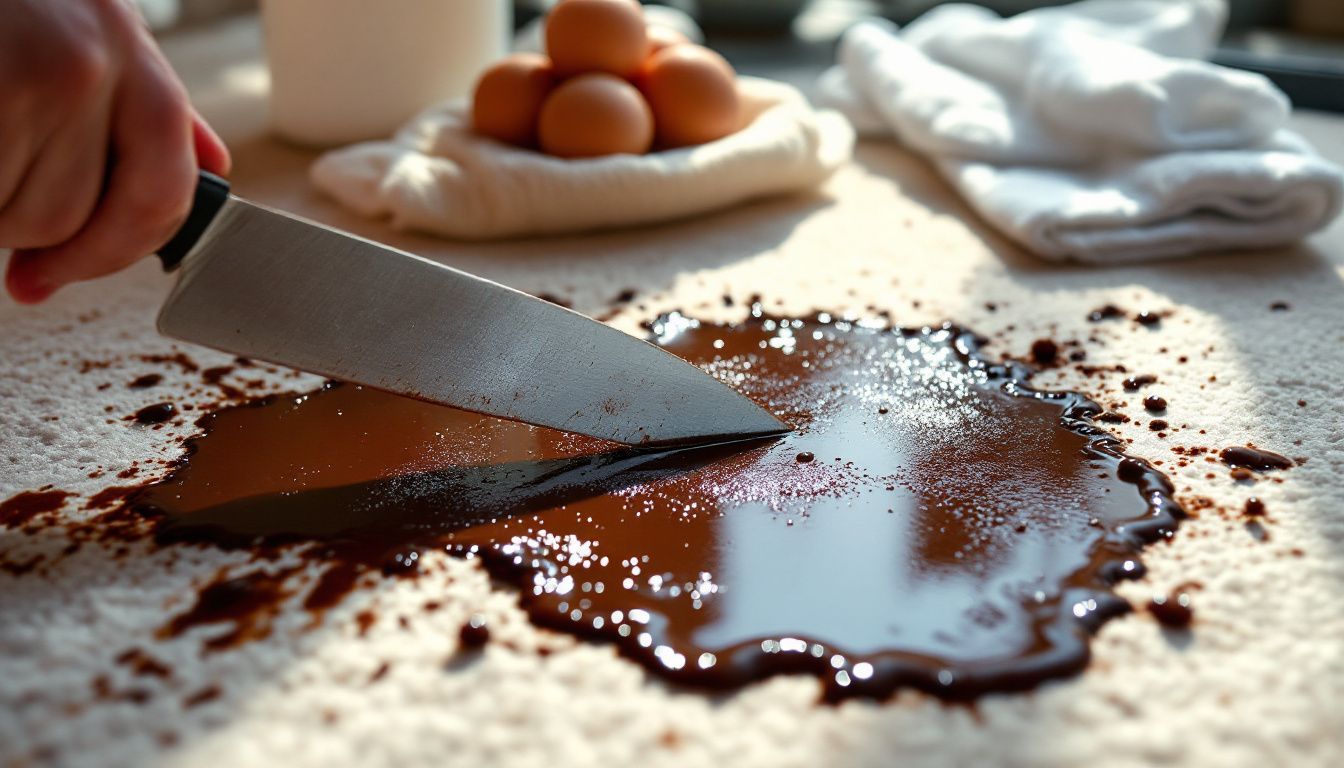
[{"x": 349, "y": 70}]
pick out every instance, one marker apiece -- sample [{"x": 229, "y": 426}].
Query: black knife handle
[{"x": 211, "y": 193}]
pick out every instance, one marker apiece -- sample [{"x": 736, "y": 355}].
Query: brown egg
[
  {"x": 594, "y": 115},
  {"x": 509, "y": 96},
  {"x": 661, "y": 37},
  {"x": 597, "y": 36},
  {"x": 693, "y": 94}
]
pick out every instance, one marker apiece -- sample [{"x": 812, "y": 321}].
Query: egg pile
[{"x": 608, "y": 84}]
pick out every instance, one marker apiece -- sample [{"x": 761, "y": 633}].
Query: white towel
[
  {"x": 1093, "y": 131},
  {"x": 437, "y": 176}
]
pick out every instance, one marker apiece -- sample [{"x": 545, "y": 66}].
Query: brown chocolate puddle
[{"x": 933, "y": 522}]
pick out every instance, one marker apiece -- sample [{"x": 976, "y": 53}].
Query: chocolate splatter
[
  {"x": 154, "y": 414},
  {"x": 1107, "y": 312},
  {"x": 1134, "y": 383},
  {"x": 1254, "y": 458},
  {"x": 20, "y": 509},
  {"x": 146, "y": 381},
  {"x": 965, "y": 543},
  {"x": 1173, "y": 610},
  {"x": 474, "y": 633},
  {"x": 1044, "y": 352}
]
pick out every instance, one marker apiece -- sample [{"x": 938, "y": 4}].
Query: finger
[
  {"x": 44, "y": 87},
  {"x": 22, "y": 145},
  {"x": 211, "y": 153},
  {"x": 16, "y": 161},
  {"x": 25, "y": 281},
  {"x": 61, "y": 186},
  {"x": 58, "y": 195},
  {"x": 149, "y": 189}
]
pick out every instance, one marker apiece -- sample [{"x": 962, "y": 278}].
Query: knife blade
[{"x": 265, "y": 284}]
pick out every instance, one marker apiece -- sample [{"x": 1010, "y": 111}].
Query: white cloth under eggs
[
  {"x": 1093, "y": 131},
  {"x": 437, "y": 176}
]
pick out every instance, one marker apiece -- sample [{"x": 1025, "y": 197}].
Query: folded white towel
[
  {"x": 1092, "y": 131},
  {"x": 437, "y": 176}
]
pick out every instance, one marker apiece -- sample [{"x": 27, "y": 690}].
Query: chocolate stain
[
  {"x": 475, "y": 633},
  {"x": 246, "y": 604},
  {"x": 146, "y": 381},
  {"x": 1107, "y": 312},
  {"x": 215, "y": 378},
  {"x": 957, "y": 531},
  {"x": 141, "y": 663},
  {"x": 24, "y": 507},
  {"x": 203, "y": 696},
  {"x": 1134, "y": 383},
  {"x": 1173, "y": 610},
  {"x": 179, "y": 359},
  {"x": 1254, "y": 458},
  {"x": 1044, "y": 352},
  {"x": 155, "y": 414}
]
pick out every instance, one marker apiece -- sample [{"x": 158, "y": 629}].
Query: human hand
[{"x": 101, "y": 144}]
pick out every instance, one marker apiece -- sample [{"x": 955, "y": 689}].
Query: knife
[{"x": 264, "y": 284}]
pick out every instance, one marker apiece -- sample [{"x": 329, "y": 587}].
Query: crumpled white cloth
[
  {"x": 437, "y": 176},
  {"x": 1093, "y": 131}
]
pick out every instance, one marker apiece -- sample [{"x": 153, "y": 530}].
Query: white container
[{"x": 350, "y": 70}]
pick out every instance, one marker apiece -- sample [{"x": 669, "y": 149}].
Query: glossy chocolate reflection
[{"x": 949, "y": 529}]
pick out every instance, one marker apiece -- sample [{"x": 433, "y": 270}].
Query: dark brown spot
[
  {"x": 1172, "y": 610},
  {"x": 364, "y": 621},
  {"x": 380, "y": 672},
  {"x": 1254, "y": 458},
  {"x": 474, "y": 633},
  {"x": 141, "y": 663},
  {"x": 203, "y": 696},
  {"x": 1131, "y": 470},
  {"x": 24, "y": 507},
  {"x": 146, "y": 381},
  {"x": 1107, "y": 312},
  {"x": 179, "y": 359},
  {"x": 1134, "y": 383},
  {"x": 155, "y": 414},
  {"x": 245, "y": 604},
  {"x": 1044, "y": 352}
]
